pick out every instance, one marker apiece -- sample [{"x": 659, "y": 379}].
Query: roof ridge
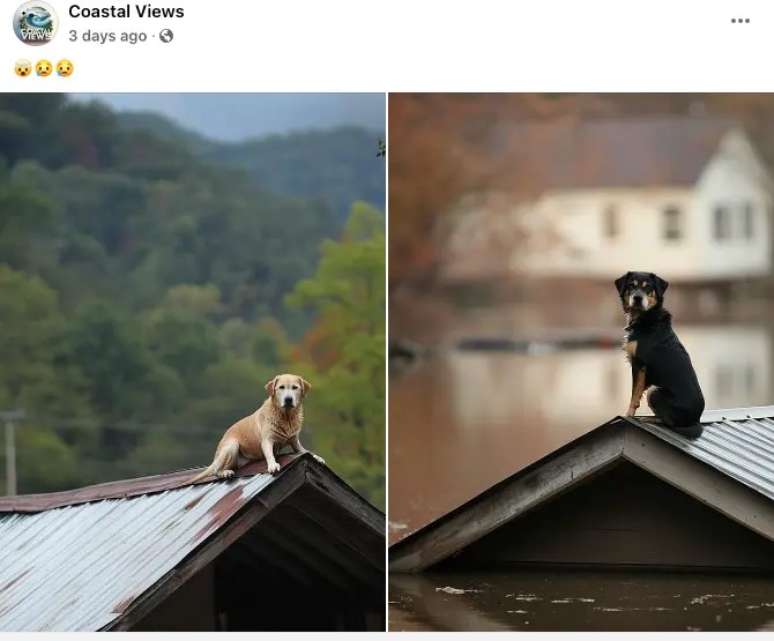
[{"x": 126, "y": 488}]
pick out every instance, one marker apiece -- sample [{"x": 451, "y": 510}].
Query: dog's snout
[
  {"x": 288, "y": 401},
  {"x": 637, "y": 298}
]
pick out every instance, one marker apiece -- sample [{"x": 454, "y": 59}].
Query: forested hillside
[
  {"x": 151, "y": 283},
  {"x": 334, "y": 166}
]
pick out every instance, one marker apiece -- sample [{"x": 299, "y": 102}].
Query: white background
[{"x": 419, "y": 45}]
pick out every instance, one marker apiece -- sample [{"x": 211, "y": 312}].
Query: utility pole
[{"x": 10, "y": 417}]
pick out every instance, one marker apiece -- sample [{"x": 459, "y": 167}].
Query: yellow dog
[{"x": 275, "y": 424}]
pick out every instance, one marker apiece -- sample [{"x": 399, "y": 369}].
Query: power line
[
  {"x": 10, "y": 417},
  {"x": 126, "y": 426}
]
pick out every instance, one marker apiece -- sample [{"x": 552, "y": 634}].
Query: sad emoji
[
  {"x": 44, "y": 68},
  {"x": 64, "y": 68}
]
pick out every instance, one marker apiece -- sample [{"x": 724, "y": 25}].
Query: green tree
[
  {"x": 343, "y": 352},
  {"x": 124, "y": 381},
  {"x": 35, "y": 378}
]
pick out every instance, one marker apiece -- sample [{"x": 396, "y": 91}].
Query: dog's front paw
[
  {"x": 273, "y": 467},
  {"x": 225, "y": 474},
  {"x": 631, "y": 411},
  {"x": 319, "y": 459}
]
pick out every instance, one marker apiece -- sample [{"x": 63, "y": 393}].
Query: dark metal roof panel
[{"x": 736, "y": 442}]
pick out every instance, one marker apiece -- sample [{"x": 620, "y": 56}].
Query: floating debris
[
  {"x": 450, "y": 590},
  {"x": 701, "y": 600},
  {"x": 527, "y": 597},
  {"x": 573, "y": 599},
  {"x": 516, "y": 611}
]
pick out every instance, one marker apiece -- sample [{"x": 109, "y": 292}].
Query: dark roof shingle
[{"x": 625, "y": 152}]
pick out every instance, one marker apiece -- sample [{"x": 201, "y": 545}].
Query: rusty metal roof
[
  {"x": 78, "y": 560},
  {"x": 737, "y": 442}
]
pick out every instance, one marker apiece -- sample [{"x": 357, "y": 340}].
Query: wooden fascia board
[{"x": 509, "y": 500}]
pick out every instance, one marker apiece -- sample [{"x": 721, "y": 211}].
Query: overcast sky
[{"x": 239, "y": 116}]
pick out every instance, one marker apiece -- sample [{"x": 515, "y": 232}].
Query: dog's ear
[
  {"x": 620, "y": 283},
  {"x": 269, "y": 387},
  {"x": 305, "y": 385},
  {"x": 660, "y": 285}
]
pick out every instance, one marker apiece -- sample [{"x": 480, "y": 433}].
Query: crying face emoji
[
  {"x": 44, "y": 68},
  {"x": 23, "y": 68},
  {"x": 64, "y": 68}
]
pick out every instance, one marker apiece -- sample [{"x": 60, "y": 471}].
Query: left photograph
[{"x": 192, "y": 391}]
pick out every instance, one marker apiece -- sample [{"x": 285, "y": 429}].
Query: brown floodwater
[
  {"x": 462, "y": 420},
  {"x": 580, "y": 601}
]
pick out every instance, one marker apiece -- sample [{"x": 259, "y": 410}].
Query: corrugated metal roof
[
  {"x": 78, "y": 567},
  {"x": 737, "y": 442}
]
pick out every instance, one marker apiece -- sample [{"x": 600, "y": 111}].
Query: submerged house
[
  {"x": 595, "y": 198},
  {"x": 629, "y": 494},
  {"x": 296, "y": 551}
]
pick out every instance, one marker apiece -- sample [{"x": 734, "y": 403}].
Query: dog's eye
[
  {"x": 282, "y": 387},
  {"x": 295, "y": 386}
]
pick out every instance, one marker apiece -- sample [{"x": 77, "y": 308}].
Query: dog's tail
[{"x": 204, "y": 473}]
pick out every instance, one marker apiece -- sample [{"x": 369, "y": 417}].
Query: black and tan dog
[{"x": 657, "y": 357}]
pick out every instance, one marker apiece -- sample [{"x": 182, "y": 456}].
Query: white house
[{"x": 687, "y": 197}]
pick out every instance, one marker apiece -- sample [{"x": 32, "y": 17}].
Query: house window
[
  {"x": 721, "y": 223},
  {"x": 748, "y": 220},
  {"x": 611, "y": 222},
  {"x": 673, "y": 223}
]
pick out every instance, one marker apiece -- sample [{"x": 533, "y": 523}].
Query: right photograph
[{"x": 581, "y": 372}]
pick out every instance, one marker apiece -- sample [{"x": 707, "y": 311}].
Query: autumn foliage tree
[{"x": 342, "y": 354}]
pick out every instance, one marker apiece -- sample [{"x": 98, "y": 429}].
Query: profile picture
[{"x": 35, "y": 23}]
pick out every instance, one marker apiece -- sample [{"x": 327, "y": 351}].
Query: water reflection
[
  {"x": 582, "y": 601},
  {"x": 591, "y": 385},
  {"x": 466, "y": 419}
]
